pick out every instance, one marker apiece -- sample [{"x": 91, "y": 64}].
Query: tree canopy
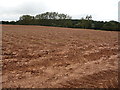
[
  {"x": 52, "y": 15},
  {"x": 63, "y": 20}
]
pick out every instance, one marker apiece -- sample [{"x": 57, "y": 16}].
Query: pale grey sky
[
  {"x": 119, "y": 12},
  {"x": 105, "y": 10}
]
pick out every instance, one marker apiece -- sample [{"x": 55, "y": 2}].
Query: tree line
[{"x": 64, "y": 20}]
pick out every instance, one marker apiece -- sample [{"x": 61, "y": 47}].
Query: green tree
[
  {"x": 111, "y": 25},
  {"x": 86, "y": 23},
  {"x": 26, "y": 19},
  {"x": 52, "y": 15}
]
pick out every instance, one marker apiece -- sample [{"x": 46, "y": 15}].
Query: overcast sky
[{"x": 105, "y": 10}]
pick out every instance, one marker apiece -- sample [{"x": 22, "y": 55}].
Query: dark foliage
[{"x": 64, "y": 20}]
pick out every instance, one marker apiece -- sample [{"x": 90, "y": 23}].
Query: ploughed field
[{"x": 52, "y": 57}]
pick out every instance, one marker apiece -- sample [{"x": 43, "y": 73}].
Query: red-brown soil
[{"x": 52, "y": 57}]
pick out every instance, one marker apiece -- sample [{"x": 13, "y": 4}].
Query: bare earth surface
[{"x": 51, "y": 57}]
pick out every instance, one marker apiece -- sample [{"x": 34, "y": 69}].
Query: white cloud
[
  {"x": 119, "y": 12},
  {"x": 99, "y": 9}
]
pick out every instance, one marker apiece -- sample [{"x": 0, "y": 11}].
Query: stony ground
[{"x": 51, "y": 57}]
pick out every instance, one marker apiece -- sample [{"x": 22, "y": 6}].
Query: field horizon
[{"x": 60, "y": 27}]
